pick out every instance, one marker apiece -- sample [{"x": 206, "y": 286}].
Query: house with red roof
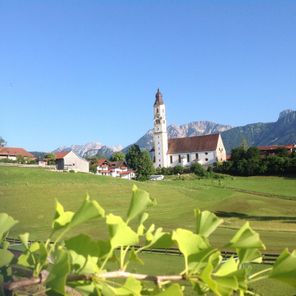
[
  {"x": 275, "y": 149},
  {"x": 13, "y": 153},
  {"x": 114, "y": 169},
  {"x": 70, "y": 161}
]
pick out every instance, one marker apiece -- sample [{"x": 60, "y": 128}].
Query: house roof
[
  {"x": 117, "y": 164},
  {"x": 102, "y": 161},
  {"x": 275, "y": 147},
  {"x": 12, "y": 151},
  {"x": 60, "y": 155},
  {"x": 193, "y": 144}
]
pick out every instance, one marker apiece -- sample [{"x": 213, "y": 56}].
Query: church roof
[
  {"x": 158, "y": 98},
  {"x": 193, "y": 144}
]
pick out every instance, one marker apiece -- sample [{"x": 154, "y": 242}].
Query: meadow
[{"x": 269, "y": 203}]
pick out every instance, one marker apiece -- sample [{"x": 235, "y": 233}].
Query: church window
[
  {"x": 179, "y": 158},
  {"x": 154, "y": 159},
  {"x": 188, "y": 158},
  {"x": 206, "y": 153},
  {"x": 159, "y": 161},
  {"x": 196, "y": 155},
  {"x": 206, "y": 159},
  {"x": 157, "y": 111},
  {"x": 171, "y": 158}
]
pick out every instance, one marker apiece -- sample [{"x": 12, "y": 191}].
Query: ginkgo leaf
[
  {"x": 84, "y": 245},
  {"x": 206, "y": 222},
  {"x": 121, "y": 234},
  {"x": 189, "y": 243},
  {"x": 61, "y": 218},
  {"x": 284, "y": 269},
  {"x": 139, "y": 203},
  {"x": 6, "y": 222},
  {"x": 172, "y": 290},
  {"x": 58, "y": 272},
  {"x": 24, "y": 238},
  {"x": 5, "y": 257},
  {"x": 246, "y": 238}
]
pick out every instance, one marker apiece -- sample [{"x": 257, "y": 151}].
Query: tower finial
[{"x": 158, "y": 98}]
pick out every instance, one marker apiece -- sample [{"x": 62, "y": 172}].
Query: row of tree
[{"x": 249, "y": 162}]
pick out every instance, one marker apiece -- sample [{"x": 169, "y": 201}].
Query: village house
[
  {"x": 275, "y": 149},
  {"x": 204, "y": 150},
  {"x": 68, "y": 161},
  {"x": 13, "y": 153},
  {"x": 114, "y": 169}
]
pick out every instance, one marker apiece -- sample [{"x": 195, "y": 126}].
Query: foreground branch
[{"x": 93, "y": 277}]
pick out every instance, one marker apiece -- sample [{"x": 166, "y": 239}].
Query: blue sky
[{"x": 78, "y": 71}]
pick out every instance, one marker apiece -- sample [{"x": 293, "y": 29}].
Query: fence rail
[{"x": 267, "y": 258}]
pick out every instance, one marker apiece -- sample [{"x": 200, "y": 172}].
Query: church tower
[{"x": 160, "y": 136}]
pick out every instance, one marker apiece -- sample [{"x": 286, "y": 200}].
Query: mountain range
[
  {"x": 91, "y": 149},
  {"x": 280, "y": 132}
]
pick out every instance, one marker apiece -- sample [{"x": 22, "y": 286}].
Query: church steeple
[
  {"x": 160, "y": 136},
  {"x": 158, "y": 98}
]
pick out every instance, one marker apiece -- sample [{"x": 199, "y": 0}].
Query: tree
[
  {"x": 117, "y": 156},
  {"x": 133, "y": 157},
  {"x": 51, "y": 158},
  {"x": 2, "y": 142},
  {"x": 139, "y": 161}
]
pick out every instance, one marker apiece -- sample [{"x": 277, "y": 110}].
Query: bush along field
[{"x": 71, "y": 264}]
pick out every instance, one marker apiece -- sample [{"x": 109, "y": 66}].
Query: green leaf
[
  {"x": 34, "y": 257},
  {"x": 83, "y": 264},
  {"x": 133, "y": 256},
  {"x": 58, "y": 272},
  {"x": 249, "y": 255},
  {"x": 139, "y": 203},
  {"x": 6, "y": 222},
  {"x": 246, "y": 238},
  {"x": 222, "y": 284},
  {"x": 159, "y": 239},
  {"x": 284, "y": 269},
  {"x": 82, "y": 244},
  {"x": 189, "y": 243},
  {"x": 197, "y": 262},
  {"x": 90, "y": 209},
  {"x": 173, "y": 290},
  {"x": 131, "y": 287},
  {"x": 206, "y": 222},
  {"x": 61, "y": 218},
  {"x": 121, "y": 234},
  {"x": 25, "y": 239},
  {"x": 5, "y": 257}
]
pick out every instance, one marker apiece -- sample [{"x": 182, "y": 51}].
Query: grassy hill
[{"x": 268, "y": 202}]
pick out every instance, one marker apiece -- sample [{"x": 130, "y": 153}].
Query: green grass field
[{"x": 268, "y": 202}]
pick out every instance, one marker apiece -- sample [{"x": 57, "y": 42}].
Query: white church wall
[{"x": 202, "y": 157}]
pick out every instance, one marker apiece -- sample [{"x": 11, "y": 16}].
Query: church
[{"x": 204, "y": 150}]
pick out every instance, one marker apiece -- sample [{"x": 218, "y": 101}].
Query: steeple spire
[{"x": 158, "y": 98}]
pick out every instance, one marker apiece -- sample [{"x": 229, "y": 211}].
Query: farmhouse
[
  {"x": 71, "y": 161},
  {"x": 204, "y": 150},
  {"x": 114, "y": 169},
  {"x": 13, "y": 153},
  {"x": 276, "y": 149}
]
